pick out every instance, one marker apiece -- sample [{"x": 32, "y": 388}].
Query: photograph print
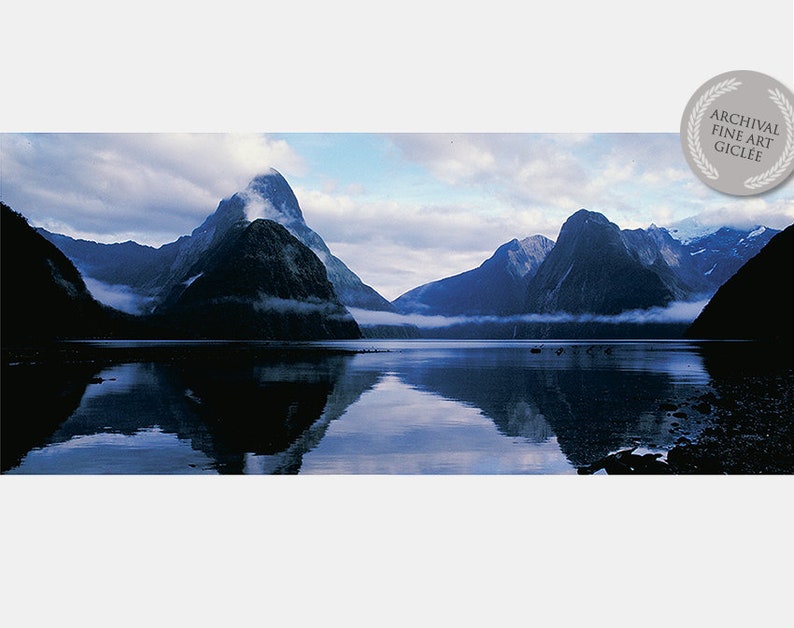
[{"x": 356, "y": 303}]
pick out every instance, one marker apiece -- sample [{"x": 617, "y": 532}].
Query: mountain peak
[
  {"x": 585, "y": 221},
  {"x": 592, "y": 253},
  {"x": 586, "y": 214},
  {"x": 578, "y": 221},
  {"x": 269, "y": 196}
]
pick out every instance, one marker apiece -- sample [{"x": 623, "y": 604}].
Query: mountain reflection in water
[{"x": 420, "y": 407}]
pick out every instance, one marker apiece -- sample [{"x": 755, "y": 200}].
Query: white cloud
[
  {"x": 626, "y": 176},
  {"x": 396, "y": 246},
  {"x": 151, "y": 187},
  {"x": 676, "y": 312},
  {"x": 267, "y": 303},
  {"x": 772, "y": 210},
  {"x": 394, "y": 268}
]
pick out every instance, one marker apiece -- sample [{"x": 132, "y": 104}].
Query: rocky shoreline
[{"x": 749, "y": 430}]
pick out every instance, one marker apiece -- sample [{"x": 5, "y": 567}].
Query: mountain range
[
  {"x": 593, "y": 268},
  {"x": 254, "y": 269},
  {"x": 257, "y": 282}
]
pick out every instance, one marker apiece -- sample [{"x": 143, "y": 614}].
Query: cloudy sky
[{"x": 399, "y": 209}]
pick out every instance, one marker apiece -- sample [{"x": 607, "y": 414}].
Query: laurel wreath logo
[
  {"x": 782, "y": 164},
  {"x": 693, "y": 125}
]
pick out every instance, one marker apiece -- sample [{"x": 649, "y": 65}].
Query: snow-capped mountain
[
  {"x": 269, "y": 196},
  {"x": 719, "y": 251},
  {"x": 256, "y": 281},
  {"x": 690, "y": 229},
  {"x": 718, "y": 255}
]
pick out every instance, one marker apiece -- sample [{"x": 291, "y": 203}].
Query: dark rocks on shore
[{"x": 626, "y": 462}]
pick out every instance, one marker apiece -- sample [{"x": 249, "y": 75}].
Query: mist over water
[
  {"x": 408, "y": 407},
  {"x": 675, "y": 312},
  {"x": 121, "y": 297}
]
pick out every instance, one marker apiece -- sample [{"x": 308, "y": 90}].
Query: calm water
[{"x": 412, "y": 407}]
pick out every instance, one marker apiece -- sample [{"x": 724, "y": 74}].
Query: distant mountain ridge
[
  {"x": 142, "y": 268},
  {"x": 719, "y": 254},
  {"x": 494, "y": 288}
]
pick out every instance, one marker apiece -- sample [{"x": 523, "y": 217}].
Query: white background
[{"x": 383, "y": 551}]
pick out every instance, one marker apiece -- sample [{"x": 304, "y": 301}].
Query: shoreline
[{"x": 162, "y": 351}]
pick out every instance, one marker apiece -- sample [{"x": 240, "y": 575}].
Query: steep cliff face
[
  {"x": 257, "y": 282},
  {"x": 595, "y": 268},
  {"x": 756, "y": 303}
]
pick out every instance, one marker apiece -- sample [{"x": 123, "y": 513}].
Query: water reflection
[
  {"x": 594, "y": 398},
  {"x": 187, "y": 417},
  {"x": 36, "y": 398},
  {"x": 592, "y": 411},
  {"x": 263, "y": 417},
  {"x": 396, "y": 429},
  {"x": 419, "y": 408}
]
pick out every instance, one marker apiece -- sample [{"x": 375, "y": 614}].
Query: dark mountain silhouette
[
  {"x": 756, "y": 303},
  {"x": 495, "y": 288},
  {"x": 44, "y": 296},
  {"x": 596, "y": 268},
  {"x": 258, "y": 282}
]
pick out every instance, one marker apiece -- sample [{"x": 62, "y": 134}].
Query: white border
[
  {"x": 565, "y": 66},
  {"x": 386, "y": 551}
]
